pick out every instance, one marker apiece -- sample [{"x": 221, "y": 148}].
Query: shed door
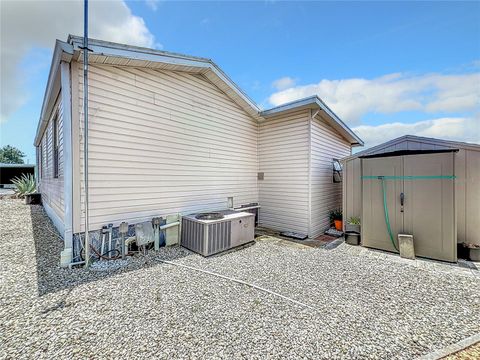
[
  {"x": 428, "y": 212},
  {"x": 374, "y": 228},
  {"x": 429, "y": 205}
]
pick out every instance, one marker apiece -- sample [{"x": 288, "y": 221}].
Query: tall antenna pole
[{"x": 85, "y": 128}]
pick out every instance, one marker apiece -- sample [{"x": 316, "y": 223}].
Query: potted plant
[
  {"x": 353, "y": 224},
  {"x": 25, "y": 187},
  {"x": 473, "y": 251},
  {"x": 336, "y": 219}
]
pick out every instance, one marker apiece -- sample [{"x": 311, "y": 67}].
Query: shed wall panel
[
  {"x": 163, "y": 142},
  {"x": 460, "y": 195},
  {"x": 467, "y": 167},
  {"x": 352, "y": 189},
  {"x": 472, "y": 206}
]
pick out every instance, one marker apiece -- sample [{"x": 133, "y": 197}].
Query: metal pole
[{"x": 85, "y": 128}]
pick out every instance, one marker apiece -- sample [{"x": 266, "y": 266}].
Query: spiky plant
[
  {"x": 335, "y": 215},
  {"x": 354, "y": 220},
  {"x": 24, "y": 185}
]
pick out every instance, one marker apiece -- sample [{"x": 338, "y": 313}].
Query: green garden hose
[
  {"x": 404, "y": 177},
  {"x": 385, "y": 210}
]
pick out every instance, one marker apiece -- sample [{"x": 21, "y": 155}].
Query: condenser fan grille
[{"x": 209, "y": 216}]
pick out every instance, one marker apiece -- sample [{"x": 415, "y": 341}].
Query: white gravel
[{"x": 366, "y": 306}]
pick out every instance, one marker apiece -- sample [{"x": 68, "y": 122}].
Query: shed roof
[
  {"x": 109, "y": 53},
  {"x": 7, "y": 165},
  {"x": 413, "y": 142}
]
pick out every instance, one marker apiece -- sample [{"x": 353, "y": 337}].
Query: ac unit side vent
[
  {"x": 193, "y": 235},
  {"x": 219, "y": 237}
]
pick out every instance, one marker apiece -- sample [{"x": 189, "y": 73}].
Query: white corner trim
[
  {"x": 310, "y": 124},
  {"x": 57, "y": 222},
  {"x": 67, "y": 154}
]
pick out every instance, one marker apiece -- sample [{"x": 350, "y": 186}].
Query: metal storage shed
[
  {"x": 440, "y": 183},
  {"x": 10, "y": 171}
]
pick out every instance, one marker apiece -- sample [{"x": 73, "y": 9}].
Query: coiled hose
[{"x": 385, "y": 210}]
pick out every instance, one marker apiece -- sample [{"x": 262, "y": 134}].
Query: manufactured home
[
  {"x": 172, "y": 134},
  {"x": 425, "y": 187}
]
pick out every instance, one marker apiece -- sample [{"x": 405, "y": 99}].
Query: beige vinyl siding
[
  {"x": 52, "y": 189},
  {"x": 283, "y": 154},
  {"x": 326, "y": 144},
  {"x": 162, "y": 142}
]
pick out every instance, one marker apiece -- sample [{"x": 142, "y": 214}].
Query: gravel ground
[{"x": 365, "y": 307}]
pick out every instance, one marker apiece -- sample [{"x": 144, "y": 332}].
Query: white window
[
  {"x": 40, "y": 161},
  {"x": 337, "y": 171}
]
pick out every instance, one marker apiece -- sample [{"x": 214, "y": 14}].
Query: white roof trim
[
  {"x": 62, "y": 52},
  {"x": 105, "y": 48},
  {"x": 314, "y": 102},
  {"x": 5, "y": 165}
]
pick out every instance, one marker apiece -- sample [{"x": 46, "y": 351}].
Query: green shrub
[{"x": 24, "y": 185}]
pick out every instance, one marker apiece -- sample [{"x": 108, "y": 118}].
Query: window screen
[
  {"x": 55, "y": 146},
  {"x": 40, "y": 161},
  {"x": 337, "y": 171}
]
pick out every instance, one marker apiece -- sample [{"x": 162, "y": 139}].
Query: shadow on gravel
[{"x": 52, "y": 278}]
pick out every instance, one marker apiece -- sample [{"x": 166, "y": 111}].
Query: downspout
[{"x": 85, "y": 129}]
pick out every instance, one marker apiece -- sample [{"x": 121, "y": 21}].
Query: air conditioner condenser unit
[{"x": 211, "y": 233}]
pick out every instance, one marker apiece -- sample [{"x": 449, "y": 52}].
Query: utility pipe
[
  {"x": 110, "y": 237},
  {"x": 102, "y": 247},
  {"x": 76, "y": 263},
  {"x": 85, "y": 128},
  {"x": 240, "y": 209},
  {"x": 166, "y": 226},
  {"x": 296, "y": 302}
]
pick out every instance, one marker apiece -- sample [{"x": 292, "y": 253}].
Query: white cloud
[
  {"x": 455, "y": 128},
  {"x": 353, "y": 98},
  {"x": 152, "y": 4},
  {"x": 283, "y": 83},
  {"x": 36, "y": 24}
]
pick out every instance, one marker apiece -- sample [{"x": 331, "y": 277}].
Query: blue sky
[{"x": 387, "y": 68}]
